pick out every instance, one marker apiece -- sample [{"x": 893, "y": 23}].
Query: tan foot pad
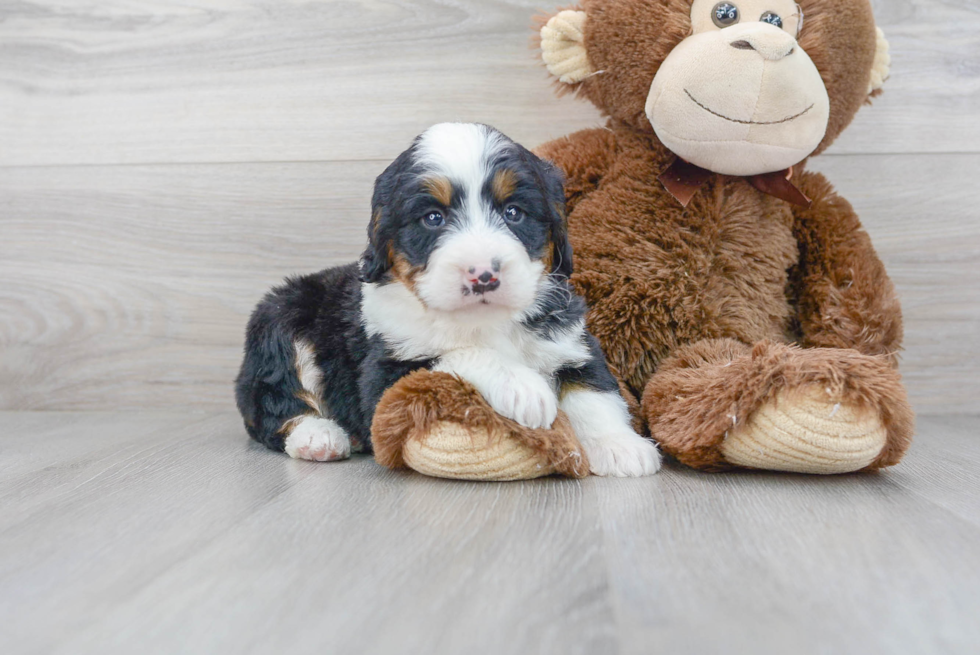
[
  {"x": 452, "y": 451},
  {"x": 804, "y": 430},
  {"x": 441, "y": 426}
]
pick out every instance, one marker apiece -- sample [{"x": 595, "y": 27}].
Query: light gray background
[{"x": 163, "y": 163}]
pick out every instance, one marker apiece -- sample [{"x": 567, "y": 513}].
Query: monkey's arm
[
  {"x": 585, "y": 157},
  {"x": 844, "y": 298}
]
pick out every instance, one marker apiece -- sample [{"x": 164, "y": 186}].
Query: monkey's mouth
[{"x": 736, "y": 120}]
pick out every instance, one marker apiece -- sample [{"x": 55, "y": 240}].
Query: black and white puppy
[{"x": 466, "y": 272}]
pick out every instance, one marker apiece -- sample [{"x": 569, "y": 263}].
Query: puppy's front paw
[
  {"x": 622, "y": 455},
  {"x": 525, "y": 397},
  {"x": 317, "y": 439}
]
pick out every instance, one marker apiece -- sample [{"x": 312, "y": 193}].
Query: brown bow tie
[{"x": 683, "y": 179}]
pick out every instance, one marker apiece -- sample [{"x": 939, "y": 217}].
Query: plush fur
[
  {"x": 700, "y": 309},
  {"x": 419, "y": 401},
  {"x": 627, "y": 40},
  {"x": 711, "y": 386},
  {"x": 465, "y": 273}
]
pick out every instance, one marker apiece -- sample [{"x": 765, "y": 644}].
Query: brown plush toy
[
  {"x": 734, "y": 291},
  {"x": 439, "y": 425}
]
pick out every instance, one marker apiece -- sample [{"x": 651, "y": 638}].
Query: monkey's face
[
  {"x": 740, "y": 96},
  {"x": 739, "y": 87}
]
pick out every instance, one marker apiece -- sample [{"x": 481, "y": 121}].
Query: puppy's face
[{"x": 469, "y": 222}]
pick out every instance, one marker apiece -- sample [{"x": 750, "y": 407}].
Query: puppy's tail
[{"x": 268, "y": 389}]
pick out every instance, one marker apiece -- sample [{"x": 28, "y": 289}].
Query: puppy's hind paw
[
  {"x": 626, "y": 455},
  {"x": 317, "y": 439}
]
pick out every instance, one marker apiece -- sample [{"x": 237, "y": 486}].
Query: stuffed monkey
[{"x": 733, "y": 290}]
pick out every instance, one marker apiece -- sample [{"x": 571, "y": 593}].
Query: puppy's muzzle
[{"x": 482, "y": 280}]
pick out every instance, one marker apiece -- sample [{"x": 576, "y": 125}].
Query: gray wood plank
[
  {"x": 768, "y": 563},
  {"x": 203, "y": 542},
  {"x": 134, "y": 283},
  {"x": 149, "y": 82},
  {"x": 130, "y": 286},
  {"x": 944, "y": 464},
  {"x": 922, "y": 214},
  {"x": 156, "y": 82},
  {"x": 199, "y": 542},
  {"x": 48, "y": 440},
  {"x": 119, "y": 517},
  {"x": 361, "y": 561}
]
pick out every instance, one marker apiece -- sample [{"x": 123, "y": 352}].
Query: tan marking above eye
[
  {"x": 504, "y": 184},
  {"x": 441, "y": 189}
]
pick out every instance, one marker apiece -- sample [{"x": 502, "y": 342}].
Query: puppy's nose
[{"x": 484, "y": 279}]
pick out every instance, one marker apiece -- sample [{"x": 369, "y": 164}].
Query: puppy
[{"x": 466, "y": 272}]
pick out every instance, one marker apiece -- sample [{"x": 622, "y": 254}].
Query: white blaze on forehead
[
  {"x": 476, "y": 236},
  {"x": 461, "y": 152}
]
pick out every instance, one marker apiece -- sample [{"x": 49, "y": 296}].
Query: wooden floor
[
  {"x": 163, "y": 163},
  {"x": 164, "y": 533}
]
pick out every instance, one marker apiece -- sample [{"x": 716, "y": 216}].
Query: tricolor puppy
[{"x": 466, "y": 272}]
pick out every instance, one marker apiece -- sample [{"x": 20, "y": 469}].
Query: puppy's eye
[
  {"x": 513, "y": 214},
  {"x": 772, "y": 19},
  {"x": 724, "y": 14},
  {"x": 433, "y": 220}
]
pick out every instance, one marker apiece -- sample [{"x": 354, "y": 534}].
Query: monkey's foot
[{"x": 807, "y": 430}]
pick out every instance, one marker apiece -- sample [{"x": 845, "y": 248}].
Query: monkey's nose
[{"x": 769, "y": 41}]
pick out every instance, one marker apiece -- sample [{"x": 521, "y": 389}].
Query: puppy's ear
[
  {"x": 554, "y": 186},
  {"x": 562, "y": 260},
  {"x": 376, "y": 260}
]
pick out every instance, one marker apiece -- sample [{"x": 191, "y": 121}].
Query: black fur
[
  {"x": 594, "y": 374},
  {"x": 540, "y": 193},
  {"x": 324, "y": 309},
  {"x": 400, "y": 199},
  {"x": 560, "y": 311},
  {"x": 397, "y": 184}
]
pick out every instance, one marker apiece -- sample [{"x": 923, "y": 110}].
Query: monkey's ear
[
  {"x": 880, "y": 68},
  {"x": 563, "y": 47}
]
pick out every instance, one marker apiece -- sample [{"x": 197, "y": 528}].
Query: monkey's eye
[
  {"x": 433, "y": 220},
  {"x": 772, "y": 19},
  {"x": 513, "y": 214},
  {"x": 724, "y": 14}
]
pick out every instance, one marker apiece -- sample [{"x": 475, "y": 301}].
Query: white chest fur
[
  {"x": 414, "y": 332},
  {"x": 513, "y": 368}
]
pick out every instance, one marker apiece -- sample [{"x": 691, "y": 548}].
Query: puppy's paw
[
  {"x": 525, "y": 397},
  {"x": 622, "y": 455},
  {"x": 317, "y": 439}
]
